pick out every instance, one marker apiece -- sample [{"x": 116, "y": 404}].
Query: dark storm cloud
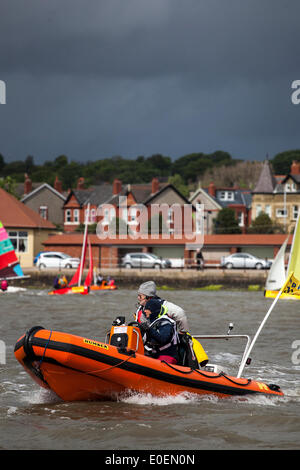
[{"x": 132, "y": 77}]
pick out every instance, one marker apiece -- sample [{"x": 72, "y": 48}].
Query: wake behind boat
[{"x": 78, "y": 368}]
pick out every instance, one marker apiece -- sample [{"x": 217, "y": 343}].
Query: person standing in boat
[
  {"x": 159, "y": 333},
  {"x": 147, "y": 291}
]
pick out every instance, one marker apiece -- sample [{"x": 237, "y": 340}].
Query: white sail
[{"x": 277, "y": 275}]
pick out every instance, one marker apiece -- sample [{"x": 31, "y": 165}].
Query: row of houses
[{"x": 48, "y": 218}]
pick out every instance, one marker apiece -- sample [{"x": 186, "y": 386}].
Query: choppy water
[{"x": 33, "y": 418}]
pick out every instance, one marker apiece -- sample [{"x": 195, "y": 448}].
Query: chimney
[
  {"x": 295, "y": 168},
  {"x": 58, "y": 185},
  {"x": 155, "y": 186},
  {"x": 27, "y": 184},
  {"x": 80, "y": 183},
  {"x": 117, "y": 186},
  {"x": 212, "y": 189}
]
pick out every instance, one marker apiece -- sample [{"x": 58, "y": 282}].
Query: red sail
[
  {"x": 89, "y": 277},
  {"x": 77, "y": 276}
]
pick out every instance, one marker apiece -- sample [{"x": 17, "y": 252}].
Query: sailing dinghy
[
  {"x": 10, "y": 268},
  {"x": 278, "y": 274},
  {"x": 75, "y": 286}
]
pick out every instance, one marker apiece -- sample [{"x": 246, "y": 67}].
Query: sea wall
[{"x": 172, "y": 278}]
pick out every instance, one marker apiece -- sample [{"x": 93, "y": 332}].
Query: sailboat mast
[
  {"x": 291, "y": 266},
  {"x": 87, "y": 217}
]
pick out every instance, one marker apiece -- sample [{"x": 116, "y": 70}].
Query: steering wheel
[{"x": 133, "y": 323}]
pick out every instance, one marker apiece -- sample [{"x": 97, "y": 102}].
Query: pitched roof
[
  {"x": 103, "y": 193},
  {"x": 14, "y": 213},
  {"x": 241, "y": 197},
  {"x": 143, "y": 191},
  {"x": 40, "y": 188},
  {"x": 267, "y": 181}
]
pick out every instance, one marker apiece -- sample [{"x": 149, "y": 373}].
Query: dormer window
[{"x": 226, "y": 195}]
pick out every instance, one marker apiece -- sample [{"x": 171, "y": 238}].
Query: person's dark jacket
[{"x": 160, "y": 334}]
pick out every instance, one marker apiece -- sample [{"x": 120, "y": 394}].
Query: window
[
  {"x": 258, "y": 210},
  {"x": 19, "y": 241},
  {"x": 76, "y": 216},
  {"x": 268, "y": 210},
  {"x": 281, "y": 212},
  {"x": 93, "y": 216},
  {"x": 226, "y": 195},
  {"x": 68, "y": 215},
  {"x": 109, "y": 213},
  {"x": 241, "y": 219},
  {"x": 105, "y": 216},
  {"x": 295, "y": 212},
  {"x": 132, "y": 215},
  {"x": 44, "y": 212}
]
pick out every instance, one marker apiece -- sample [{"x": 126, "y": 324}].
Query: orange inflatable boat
[
  {"x": 104, "y": 286},
  {"x": 78, "y": 368}
]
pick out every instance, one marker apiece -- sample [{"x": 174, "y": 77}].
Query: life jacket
[
  {"x": 161, "y": 320},
  {"x": 191, "y": 352}
]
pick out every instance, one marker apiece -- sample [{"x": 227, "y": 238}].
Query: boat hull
[
  {"x": 95, "y": 287},
  {"x": 84, "y": 290},
  {"x": 78, "y": 368}
]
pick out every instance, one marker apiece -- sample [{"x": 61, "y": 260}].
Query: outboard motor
[{"x": 126, "y": 336}]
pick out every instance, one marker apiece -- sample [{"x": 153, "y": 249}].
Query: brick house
[
  {"x": 278, "y": 196},
  {"x": 214, "y": 199},
  {"x": 163, "y": 207},
  {"x": 109, "y": 201}
]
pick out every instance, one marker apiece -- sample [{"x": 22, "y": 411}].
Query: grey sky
[{"x": 96, "y": 78}]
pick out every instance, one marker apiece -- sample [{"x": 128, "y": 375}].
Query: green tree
[
  {"x": 2, "y": 162},
  {"x": 225, "y": 222},
  {"x": 263, "y": 224},
  {"x": 282, "y": 161},
  {"x": 9, "y": 184},
  {"x": 178, "y": 183},
  {"x": 29, "y": 164}
]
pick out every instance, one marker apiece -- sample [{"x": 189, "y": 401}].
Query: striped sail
[{"x": 9, "y": 264}]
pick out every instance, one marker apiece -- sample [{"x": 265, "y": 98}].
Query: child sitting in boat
[
  {"x": 159, "y": 333},
  {"x": 60, "y": 282}
]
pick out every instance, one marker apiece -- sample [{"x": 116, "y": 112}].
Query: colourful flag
[{"x": 292, "y": 285}]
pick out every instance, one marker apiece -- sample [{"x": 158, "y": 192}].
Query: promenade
[{"x": 166, "y": 278}]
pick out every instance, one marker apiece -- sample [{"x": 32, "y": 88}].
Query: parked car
[
  {"x": 244, "y": 260},
  {"x": 37, "y": 257},
  {"x": 56, "y": 259},
  {"x": 144, "y": 260}
]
